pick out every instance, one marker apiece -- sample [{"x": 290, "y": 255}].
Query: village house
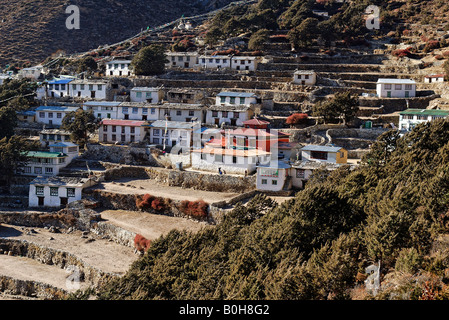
[
  {"x": 121, "y": 131},
  {"x": 119, "y": 68},
  {"x": 26, "y": 116},
  {"x": 302, "y": 171},
  {"x": 232, "y": 108},
  {"x": 248, "y": 63},
  {"x": 138, "y": 111},
  {"x": 44, "y": 163},
  {"x": 410, "y": 118},
  {"x": 32, "y": 73},
  {"x": 57, "y": 192},
  {"x": 69, "y": 148},
  {"x": 102, "y": 109},
  {"x": 328, "y": 154},
  {"x": 432, "y": 78},
  {"x": 172, "y": 133},
  {"x": 396, "y": 88},
  {"x": 52, "y": 115},
  {"x": 181, "y": 112},
  {"x": 146, "y": 94},
  {"x": 56, "y": 88},
  {"x": 304, "y": 77},
  {"x": 90, "y": 89},
  {"x": 51, "y": 136},
  {"x": 274, "y": 177},
  {"x": 183, "y": 60},
  {"x": 235, "y": 161},
  {"x": 184, "y": 96}
]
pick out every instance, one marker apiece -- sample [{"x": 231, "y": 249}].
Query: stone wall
[
  {"x": 120, "y": 154},
  {"x": 32, "y": 289}
]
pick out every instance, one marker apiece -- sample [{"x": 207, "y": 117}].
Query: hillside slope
[{"x": 31, "y": 30}]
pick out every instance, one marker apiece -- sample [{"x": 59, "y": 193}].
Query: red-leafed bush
[
  {"x": 431, "y": 45},
  {"x": 195, "y": 209},
  {"x": 296, "y": 118},
  {"x": 141, "y": 243},
  {"x": 158, "y": 204},
  {"x": 402, "y": 52},
  {"x": 144, "y": 202}
]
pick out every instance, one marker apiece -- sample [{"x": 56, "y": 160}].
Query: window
[
  {"x": 135, "y": 110},
  {"x": 145, "y": 110},
  {"x": 408, "y": 87},
  {"x": 222, "y": 99},
  {"x": 114, "y": 128},
  {"x": 123, "y": 138},
  {"x": 100, "y": 87},
  {"x": 300, "y": 173},
  {"x": 50, "y": 114},
  {"x": 421, "y": 117},
  {"x": 153, "y": 110},
  {"x": 114, "y": 137},
  {"x": 191, "y": 113},
  {"x": 133, "y": 129},
  {"x": 274, "y": 182},
  {"x": 62, "y": 86},
  {"x": 178, "y": 112},
  {"x": 105, "y": 128},
  {"x": 232, "y": 100},
  {"x": 27, "y": 170},
  {"x": 54, "y": 191},
  {"x": 236, "y": 115},
  {"x": 41, "y": 114},
  {"x": 59, "y": 115},
  {"x": 398, "y": 87},
  {"x": 138, "y": 94},
  {"x": 124, "y": 109},
  {"x": 81, "y": 86},
  {"x": 123, "y": 129},
  {"x": 264, "y": 181},
  {"x": 156, "y": 140},
  {"x": 215, "y": 114},
  {"x": 321, "y": 155},
  {"x": 105, "y": 137},
  {"x": 37, "y": 170},
  {"x": 74, "y": 86},
  {"x": 48, "y": 170},
  {"x": 242, "y": 100},
  {"x": 70, "y": 192},
  {"x": 156, "y": 132},
  {"x": 39, "y": 191},
  {"x": 387, "y": 87}
]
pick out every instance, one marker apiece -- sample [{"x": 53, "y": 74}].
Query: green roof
[
  {"x": 44, "y": 154},
  {"x": 427, "y": 112}
]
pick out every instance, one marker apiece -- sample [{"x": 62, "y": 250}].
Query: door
[
  {"x": 388, "y": 94},
  {"x": 40, "y": 201},
  {"x": 64, "y": 201}
]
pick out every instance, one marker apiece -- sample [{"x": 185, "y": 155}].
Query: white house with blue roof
[
  {"x": 69, "y": 148},
  {"x": 58, "y": 88},
  {"x": 52, "y": 115}
]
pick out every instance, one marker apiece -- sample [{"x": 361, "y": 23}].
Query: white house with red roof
[
  {"x": 121, "y": 131},
  {"x": 432, "y": 78}
]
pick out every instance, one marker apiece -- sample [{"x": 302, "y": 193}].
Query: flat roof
[
  {"x": 233, "y": 152},
  {"x": 119, "y": 61},
  {"x": 60, "y": 181},
  {"x": 398, "y": 81},
  {"x": 313, "y": 147},
  {"x": 45, "y": 154},
  {"x": 172, "y": 124},
  {"x": 115, "y": 122},
  {"x": 236, "y": 94},
  {"x": 60, "y": 81},
  {"x": 56, "y": 108},
  {"x": 102, "y": 103},
  {"x": 428, "y": 112}
]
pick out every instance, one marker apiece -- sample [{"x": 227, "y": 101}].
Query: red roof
[
  {"x": 127, "y": 123},
  {"x": 436, "y": 76},
  {"x": 256, "y": 121}
]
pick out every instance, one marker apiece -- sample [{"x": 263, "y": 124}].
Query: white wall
[
  {"x": 304, "y": 78},
  {"x": 137, "y": 112},
  {"x": 118, "y": 69},
  {"x": 226, "y": 118},
  {"x": 269, "y": 185},
  {"x": 139, "y": 134},
  {"x": 52, "y": 201},
  {"x": 382, "y": 90},
  {"x": 87, "y": 89},
  {"x": 145, "y": 94}
]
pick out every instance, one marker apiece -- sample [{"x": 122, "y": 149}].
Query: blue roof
[
  {"x": 278, "y": 165},
  {"x": 60, "y": 81},
  {"x": 27, "y": 113},
  {"x": 237, "y": 94},
  {"x": 56, "y": 108}
]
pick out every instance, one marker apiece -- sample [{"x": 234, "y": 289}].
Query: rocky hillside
[{"x": 31, "y": 30}]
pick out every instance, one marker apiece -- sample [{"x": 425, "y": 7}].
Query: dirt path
[
  {"x": 151, "y": 226},
  {"x": 158, "y": 190}
]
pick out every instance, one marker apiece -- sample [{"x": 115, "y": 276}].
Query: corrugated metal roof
[
  {"x": 172, "y": 124},
  {"x": 63, "y": 144},
  {"x": 236, "y": 94},
  {"x": 321, "y": 148},
  {"x": 427, "y": 112},
  {"x": 128, "y": 123},
  {"x": 103, "y": 103},
  {"x": 45, "y": 154},
  {"x": 396, "y": 81},
  {"x": 60, "y": 81},
  {"x": 56, "y": 108}
]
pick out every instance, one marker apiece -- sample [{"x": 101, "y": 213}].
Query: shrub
[
  {"x": 296, "y": 118},
  {"x": 402, "y": 52},
  {"x": 196, "y": 209},
  {"x": 409, "y": 260},
  {"x": 141, "y": 243},
  {"x": 158, "y": 204},
  {"x": 144, "y": 202}
]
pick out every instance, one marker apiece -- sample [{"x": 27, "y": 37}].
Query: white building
[
  {"x": 230, "y": 160},
  {"x": 432, "y": 78},
  {"x": 183, "y": 112},
  {"x": 31, "y": 73},
  {"x": 121, "y": 131},
  {"x": 146, "y": 94},
  {"x": 304, "y": 77},
  {"x": 232, "y": 108},
  {"x": 138, "y": 111},
  {"x": 410, "y": 118},
  {"x": 172, "y": 133},
  {"x": 44, "y": 163},
  {"x": 396, "y": 88},
  {"x": 302, "y": 171},
  {"x": 183, "y": 60},
  {"x": 56, "y": 191},
  {"x": 326, "y": 154},
  {"x": 273, "y": 178},
  {"x": 69, "y": 148},
  {"x": 119, "y": 68},
  {"x": 51, "y": 136},
  {"x": 57, "y": 88},
  {"x": 52, "y": 115},
  {"x": 89, "y": 89},
  {"x": 103, "y": 109},
  {"x": 248, "y": 63}
]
